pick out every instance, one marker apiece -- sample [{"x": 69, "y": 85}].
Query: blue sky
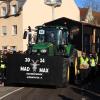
[
  {"x": 95, "y": 6},
  {"x": 79, "y": 2}
]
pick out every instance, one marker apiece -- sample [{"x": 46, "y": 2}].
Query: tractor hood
[{"x": 41, "y": 46}]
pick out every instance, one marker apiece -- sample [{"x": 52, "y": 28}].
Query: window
[
  {"x": 4, "y": 30},
  {"x": 4, "y": 47},
  {"x": 14, "y": 9},
  {"x": 3, "y": 11},
  {"x": 14, "y": 29},
  {"x": 13, "y": 48}
]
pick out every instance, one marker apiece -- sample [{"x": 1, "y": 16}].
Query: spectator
[{"x": 83, "y": 67}]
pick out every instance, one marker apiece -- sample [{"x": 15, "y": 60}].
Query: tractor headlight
[
  {"x": 43, "y": 51},
  {"x": 34, "y": 51}
]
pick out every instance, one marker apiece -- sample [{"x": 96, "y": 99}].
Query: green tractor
[
  {"x": 50, "y": 41},
  {"x": 46, "y": 62}
]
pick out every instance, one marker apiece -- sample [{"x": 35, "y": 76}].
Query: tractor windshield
[
  {"x": 62, "y": 37},
  {"x": 53, "y": 35},
  {"x": 47, "y": 35}
]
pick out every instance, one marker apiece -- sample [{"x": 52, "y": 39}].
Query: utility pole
[
  {"x": 53, "y": 12},
  {"x": 53, "y": 4}
]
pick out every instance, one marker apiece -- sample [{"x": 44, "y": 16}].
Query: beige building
[
  {"x": 11, "y": 30},
  {"x": 17, "y": 15}
]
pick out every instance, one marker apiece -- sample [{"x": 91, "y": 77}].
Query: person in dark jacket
[{"x": 93, "y": 60}]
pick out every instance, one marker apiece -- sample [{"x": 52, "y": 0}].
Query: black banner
[{"x": 36, "y": 70}]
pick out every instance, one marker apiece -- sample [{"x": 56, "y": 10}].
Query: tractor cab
[{"x": 50, "y": 39}]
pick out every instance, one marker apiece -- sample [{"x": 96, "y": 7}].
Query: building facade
[
  {"x": 11, "y": 31},
  {"x": 17, "y": 15}
]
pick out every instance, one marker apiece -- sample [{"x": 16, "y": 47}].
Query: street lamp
[{"x": 53, "y": 4}]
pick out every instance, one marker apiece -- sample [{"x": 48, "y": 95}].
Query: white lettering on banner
[
  {"x": 27, "y": 59},
  {"x": 44, "y": 70},
  {"x": 34, "y": 69},
  {"x": 42, "y": 60},
  {"x": 22, "y": 68},
  {"x": 39, "y": 74},
  {"x": 33, "y": 77}
]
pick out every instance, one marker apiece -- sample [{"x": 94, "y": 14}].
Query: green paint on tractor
[{"x": 41, "y": 46}]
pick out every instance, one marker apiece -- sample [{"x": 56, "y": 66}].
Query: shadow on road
[
  {"x": 89, "y": 94},
  {"x": 64, "y": 97},
  {"x": 94, "y": 85}
]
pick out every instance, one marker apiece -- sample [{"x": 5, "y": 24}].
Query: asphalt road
[{"x": 69, "y": 93}]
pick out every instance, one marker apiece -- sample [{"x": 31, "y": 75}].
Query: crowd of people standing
[{"x": 87, "y": 67}]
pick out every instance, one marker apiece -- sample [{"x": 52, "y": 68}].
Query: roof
[
  {"x": 97, "y": 17},
  {"x": 63, "y": 21},
  {"x": 84, "y": 11}
]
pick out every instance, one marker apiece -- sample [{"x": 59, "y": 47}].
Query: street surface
[
  {"x": 70, "y": 92},
  {"x": 30, "y": 93}
]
